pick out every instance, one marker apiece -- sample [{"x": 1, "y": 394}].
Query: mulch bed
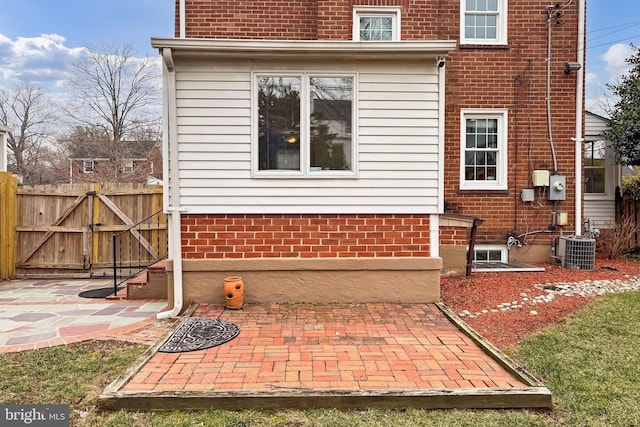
[{"x": 484, "y": 291}]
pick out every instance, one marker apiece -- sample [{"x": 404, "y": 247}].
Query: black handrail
[{"x": 136, "y": 248}]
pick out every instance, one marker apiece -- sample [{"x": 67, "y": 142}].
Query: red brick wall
[
  {"x": 514, "y": 77},
  {"x": 304, "y": 236},
  {"x": 458, "y": 236},
  {"x": 247, "y": 19},
  {"x": 308, "y": 19}
]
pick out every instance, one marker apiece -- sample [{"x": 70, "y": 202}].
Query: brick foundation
[{"x": 304, "y": 236}]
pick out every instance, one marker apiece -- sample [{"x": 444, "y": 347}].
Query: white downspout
[
  {"x": 183, "y": 26},
  {"x": 171, "y": 171},
  {"x": 579, "y": 105},
  {"x": 434, "y": 220}
]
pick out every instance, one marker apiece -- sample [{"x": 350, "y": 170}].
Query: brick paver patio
[{"x": 347, "y": 347}]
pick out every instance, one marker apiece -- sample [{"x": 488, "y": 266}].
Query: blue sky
[{"x": 38, "y": 38}]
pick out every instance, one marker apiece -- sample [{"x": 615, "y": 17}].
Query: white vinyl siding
[{"x": 396, "y": 139}]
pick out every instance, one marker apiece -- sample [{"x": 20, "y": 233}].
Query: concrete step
[{"x": 150, "y": 284}]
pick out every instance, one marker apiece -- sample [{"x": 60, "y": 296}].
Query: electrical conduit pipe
[{"x": 579, "y": 105}]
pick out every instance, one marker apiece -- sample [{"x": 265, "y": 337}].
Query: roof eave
[{"x": 410, "y": 49}]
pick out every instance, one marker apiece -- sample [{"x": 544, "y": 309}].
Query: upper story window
[
  {"x": 483, "y": 22},
  {"x": 595, "y": 167},
  {"x": 483, "y": 150},
  {"x": 304, "y": 124},
  {"x": 376, "y": 23},
  {"x": 128, "y": 166},
  {"x": 88, "y": 166}
]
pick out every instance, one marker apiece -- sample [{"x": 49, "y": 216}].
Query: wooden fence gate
[{"x": 66, "y": 230}]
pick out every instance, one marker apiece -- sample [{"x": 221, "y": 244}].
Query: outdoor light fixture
[{"x": 572, "y": 66}]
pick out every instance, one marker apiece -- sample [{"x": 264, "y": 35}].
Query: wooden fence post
[{"x": 8, "y": 222}]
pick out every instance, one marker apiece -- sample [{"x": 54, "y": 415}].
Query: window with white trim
[
  {"x": 483, "y": 21},
  {"x": 128, "y": 166},
  {"x": 483, "y": 150},
  {"x": 376, "y": 23},
  {"x": 304, "y": 124},
  {"x": 88, "y": 166},
  {"x": 485, "y": 254},
  {"x": 595, "y": 168}
]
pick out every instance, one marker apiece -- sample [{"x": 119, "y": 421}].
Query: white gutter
[
  {"x": 344, "y": 49},
  {"x": 183, "y": 26},
  {"x": 172, "y": 194},
  {"x": 579, "y": 106},
  {"x": 441, "y": 64}
]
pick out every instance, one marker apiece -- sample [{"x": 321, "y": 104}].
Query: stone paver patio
[{"x": 43, "y": 313}]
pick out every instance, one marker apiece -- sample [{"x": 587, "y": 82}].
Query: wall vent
[{"x": 576, "y": 253}]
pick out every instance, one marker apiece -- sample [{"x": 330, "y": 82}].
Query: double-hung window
[
  {"x": 483, "y": 149},
  {"x": 128, "y": 166},
  {"x": 595, "y": 168},
  {"x": 88, "y": 166},
  {"x": 304, "y": 125},
  {"x": 483, "y": 21},
  {"x": 376, "y": 23}
]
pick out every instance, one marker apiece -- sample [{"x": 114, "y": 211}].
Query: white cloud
[
  {"x": 44, "y": 59},
  {"x": 615, "y": 60},
  {"x": 592, "y": 79}
]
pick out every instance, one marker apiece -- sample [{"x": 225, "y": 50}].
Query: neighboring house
[
  {"x": 601, "y": 174},
  {"x": 132, "y": 161},
  {"x": 334, "y": 150}
]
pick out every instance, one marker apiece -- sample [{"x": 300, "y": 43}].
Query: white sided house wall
[
  {"x": 599, "y": 208},
  {"x": 396, "y": 141}
]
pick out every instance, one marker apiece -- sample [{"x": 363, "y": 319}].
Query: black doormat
[
  {"x": 98, "y": 293},
  {"x": 199, "y": 334}
]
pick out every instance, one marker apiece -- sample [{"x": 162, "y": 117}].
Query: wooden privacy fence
[
  {"x": 628, "y": 210},
  {"x": 8, "y": 218},
  {"x": 66, "y": 230}
]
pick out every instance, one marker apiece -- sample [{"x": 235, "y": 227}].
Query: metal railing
[{"x": 138, "y": 247}]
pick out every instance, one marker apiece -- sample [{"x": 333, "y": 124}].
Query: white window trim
[
  {"x": 609, "y": 174},
  {"x": 504, "y": 254},
  {"x": 501, "y": 24},
  {"x": 376, "y": 11},
  {"x": 502, "y": 115},
  {"x": 305, "y": 168},
  {"x": 88, "y": 170}
]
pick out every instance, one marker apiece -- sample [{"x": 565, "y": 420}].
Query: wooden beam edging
[
  {"x": 304, "y": 398},
  {"x": 112, "y": 389},
  {"x": 494, "y": 352}
]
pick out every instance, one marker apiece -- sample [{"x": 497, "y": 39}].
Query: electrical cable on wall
[{"x": 553, "y": 16}]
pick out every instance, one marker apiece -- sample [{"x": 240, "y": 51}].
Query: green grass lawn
[{"x": 591, "y": 363}]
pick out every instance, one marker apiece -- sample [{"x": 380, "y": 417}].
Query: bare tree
[
  {"x": 114, "y": 90},
  {"x": 29, "y": 113}
]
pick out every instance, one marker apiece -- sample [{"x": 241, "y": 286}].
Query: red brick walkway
[{"x": 346, "y": 347}]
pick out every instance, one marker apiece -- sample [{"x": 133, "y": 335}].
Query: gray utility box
[{"x": 557, "y": 187}]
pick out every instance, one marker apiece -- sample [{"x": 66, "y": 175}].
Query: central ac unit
[{"x": 576, "y": 253}]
